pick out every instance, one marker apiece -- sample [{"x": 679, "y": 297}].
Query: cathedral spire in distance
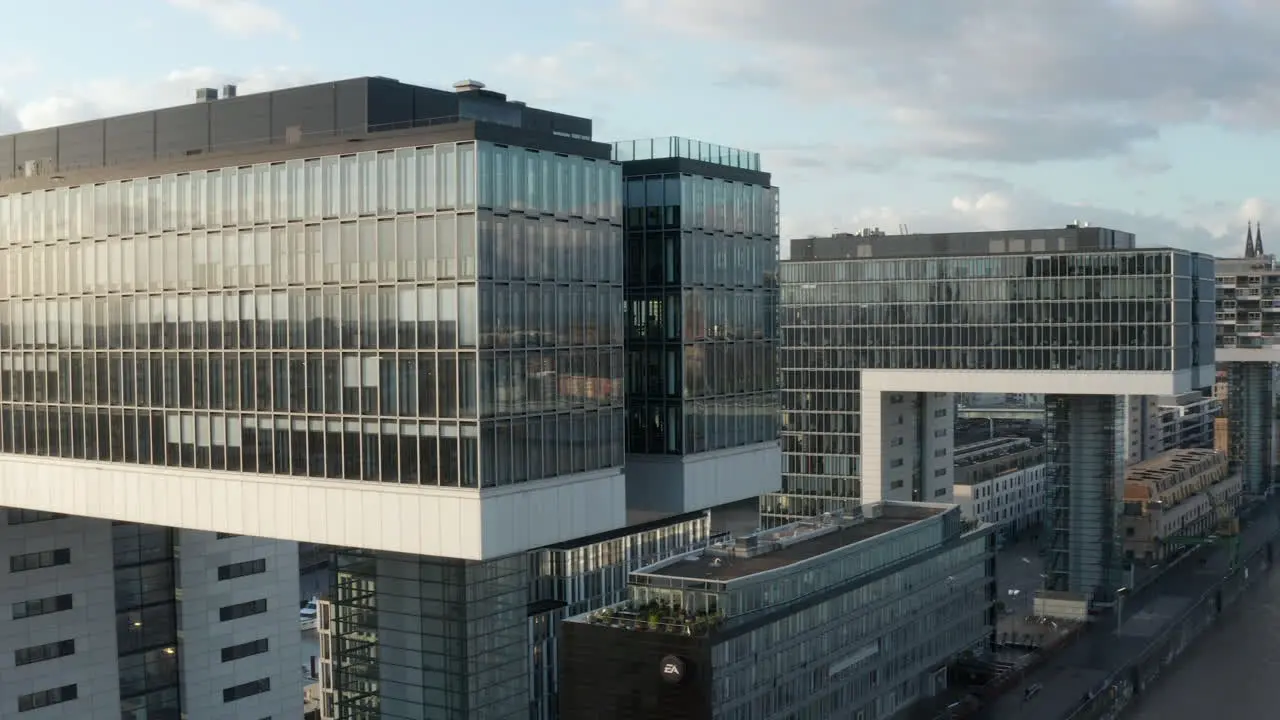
[
  {"x": 1248, "y": 241},
  {"x": 1257, "y": 240}
]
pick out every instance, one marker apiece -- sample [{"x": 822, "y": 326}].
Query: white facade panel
[
  {"x": 663, "y": 485},
  {"x": 91, "y": 622},
  {"x": 937, "y": 455},
  {"x": 1013, "y": 502},
  {"x": 1270, "y": 354},
  {"x": 444, "y": 522},
  {"x": 204, "y": 635},
  {"x": 1056, "y": 382},
  {"x": 905, "y": 433}
]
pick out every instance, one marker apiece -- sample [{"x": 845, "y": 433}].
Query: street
[{"x": 1082, "y": 668}]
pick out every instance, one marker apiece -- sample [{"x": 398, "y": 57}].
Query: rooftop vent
[
  {"x": 228, "y": 91},
  {"x": 464, "y": 86},
  {"x": 206, "y": 94}
]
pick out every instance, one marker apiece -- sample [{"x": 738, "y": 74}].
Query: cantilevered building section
[
  {"x": 702, "y": 333},
  {"x": 1248, "y": 342},
  {"x": 361, "y": 313},
  {"x": 264, "y": 314},
  {"x": 879, "y": 330}
]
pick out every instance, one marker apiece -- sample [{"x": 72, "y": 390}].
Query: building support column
[
  {"x": 419, "y": 636},
  {"x": 1085, "y": 481},
  {"x": 1250, "y": 412}
]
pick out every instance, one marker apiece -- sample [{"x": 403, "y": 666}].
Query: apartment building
[
  {"x": 1001, "y": 482},
  {"x": 1188, "y": 493}
]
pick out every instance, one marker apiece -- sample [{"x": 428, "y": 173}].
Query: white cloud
[
  {"x": 117, "y": 96},
  {"x": 580, "y": 77},
  {"x": 241, "y": 18},
  {"x": 1221, "y": 232},
  {"x": 1007, "y": 81}
]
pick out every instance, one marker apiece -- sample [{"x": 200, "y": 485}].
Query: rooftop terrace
[
  {"x": 790, "y": 544},
  {"x": 678, "y": 147}
]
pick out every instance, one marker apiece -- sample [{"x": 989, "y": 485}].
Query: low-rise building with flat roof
[
  {"x": 1177, "y": 496},
  {"x": 847, "y": 614}
]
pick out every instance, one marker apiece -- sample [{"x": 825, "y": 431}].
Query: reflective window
[{"x": 326, "y": 317}]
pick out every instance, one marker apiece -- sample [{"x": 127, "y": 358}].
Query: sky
[{"x": 1157, "y": 117}]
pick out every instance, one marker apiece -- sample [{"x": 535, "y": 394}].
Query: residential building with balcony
[{"x": 1189, "y": 493}]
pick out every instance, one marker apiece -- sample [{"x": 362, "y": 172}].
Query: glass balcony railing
[{"x": 678, "y": 147}]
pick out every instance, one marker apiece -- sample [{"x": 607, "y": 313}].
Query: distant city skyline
[{"x": 871, "y": 113}]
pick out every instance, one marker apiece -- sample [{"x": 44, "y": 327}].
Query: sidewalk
[{"x": 1103, "y": 650}]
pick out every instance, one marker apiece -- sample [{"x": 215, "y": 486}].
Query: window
[
  {"x": 45, "y": 698},
  {"x": 40, "y": 653},
  {"x": 42, "y": 606},
  {"x": 895, "y": 463},
  {"x": 896, "y": 484},
  {"x": 240, "y": 569},
  {"x": 940, "y": 452},
  {"x": 240, "y": 610},
  {"x": 244, "y": 650},
  {"x": 940, "y": 432},
  {"x": 940, "y": 412},
  {"x": 18, "y": 516},
  {"x": 939, "y": 472},
  {"x": 249, "y": 689},
  {"x": 37, "y": 560},
  {"x": 939, "y": 492}
]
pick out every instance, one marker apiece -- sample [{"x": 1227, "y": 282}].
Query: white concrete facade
[
  {"x": 90, "y": 622},
  {"x": 905, "y": 434},
  {"x": 1053, "y": 382},
  {"x": 205, "y": 674},
  {"x": 1014, "y": 501},
  {"x": 663, "y": 485},
  {"x": 443, "y": 522},
  {"x": 1141, "y": 430}
]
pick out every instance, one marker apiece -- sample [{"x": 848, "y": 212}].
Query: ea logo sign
[{"x": 672, "y": 669}]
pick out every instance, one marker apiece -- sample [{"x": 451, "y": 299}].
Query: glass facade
[
  {"x": 588, "y": 574},
  {"x": 441, "y": 315},
  {"x": 1140, "y": 310},
  {"x": 876, "y": 619},
  {"x": 1118, "y": 311},
  {"x": 146, "y": 622},
  {"x": 701, "y": 293},
  {"x": 418, "y": 637}
]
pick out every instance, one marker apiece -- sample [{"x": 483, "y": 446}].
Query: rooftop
[
  {"x": 794, "y": 543},
  {"x": 1166, "y": 467},
  {"x": 985, "y": 450},
  {"x": 678, "y": 147}
]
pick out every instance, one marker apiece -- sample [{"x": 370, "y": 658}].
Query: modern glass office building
[
  {"x": 853, "y": 615},
  {"x": 878, "y": 330},
  {"x": 390, "y": 319},
  {"x": 701, "y": 272}
]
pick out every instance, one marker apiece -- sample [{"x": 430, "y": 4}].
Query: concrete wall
[
  {"x": 204, "y": 635},
  {"x": 907, "y": 446},
  {"x": 442, "y": 522},
  {"x": 662, "y": 485},
  {"x": 90, "y": 580}
]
